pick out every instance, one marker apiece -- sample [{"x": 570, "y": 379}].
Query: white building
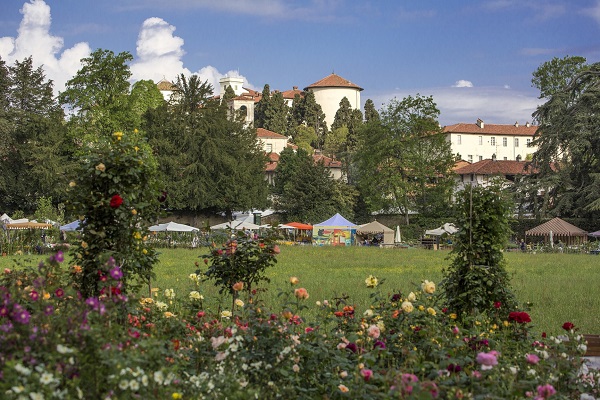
[
  {"x": 480, "y": 141},
  {"x": 330, "y": 90}
]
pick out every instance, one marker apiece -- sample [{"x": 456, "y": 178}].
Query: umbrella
[
  {"x": 172, "y": 227},
  {"x": 595, "y": 234},
  {"x": 398, "y": 236}
]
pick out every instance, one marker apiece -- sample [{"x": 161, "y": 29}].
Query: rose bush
[{"x": 57, "y": 343}]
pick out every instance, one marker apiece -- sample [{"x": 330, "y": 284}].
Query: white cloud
[
  {"x": 34, "y": 39},
  {"x": 462, "y": 83},
  {"x": 499, "y": 105},
  {"x": 159, "y": 56}
]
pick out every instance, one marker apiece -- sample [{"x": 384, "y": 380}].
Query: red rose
[
  {"x": 497, "y": 304},
  {"x": 567, "y": 326},
  {"x": 116, "y": 201},
  {"x": 520, "y": 317}
]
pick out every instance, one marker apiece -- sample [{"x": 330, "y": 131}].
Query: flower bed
[{"x": 56, "y": 344}]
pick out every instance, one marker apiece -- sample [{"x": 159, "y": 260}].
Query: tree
[
  {"x": 314, "y": 117},
  {"x": 351, "y": 119},
  {"x": 144, "y": 95},
  {"x": 98, "y": 95},
  {"x": 403, "y": 161},
  {"x": 370, "y": 111},
  {"x": 207, "y": 161},
  {"x": 569, "y": 144},
  {"x": 276, "y": 113},
  {"x": 295, "y": 116},
  {"x": 305, "y": 136},
  {"x": 477, "y": 280},
  {"x": 304, "y": 190},
  {"x": 260, "y": 110},
  {"x": 34, "y": 154},
  {"x": 556, "y": 74}
]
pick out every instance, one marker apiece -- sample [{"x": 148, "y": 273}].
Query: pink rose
[
  {"x": 532, "y": 358},
  {"x": 374, "y": 331}
]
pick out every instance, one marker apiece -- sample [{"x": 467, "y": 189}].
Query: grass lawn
[{"x": 561, "y": 287}]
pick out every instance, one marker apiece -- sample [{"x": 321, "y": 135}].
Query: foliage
[
  {"x": 404, "y": 345},
  {"x": 351, "y": 119},
  {"x": 370, "y": 111},
  {"x": 144, "y": 96},
  {"x": 241, "y": 259},
  {"x": 98, "y": 95},
  {"x": 569, "y": 147},
  {"x": 553, "y": 76},
  {"x": 206, "y": 160},
  {"x": 115, "y": 196},
  {"x": 45, "y": 210},
  {"x": 404, "y": 161},
  {"x": 314, "y": 117},
  {"x": 477, "y": 280},
  {"x": 35, "y": 153},
  {"x": 304, "y": 190}
]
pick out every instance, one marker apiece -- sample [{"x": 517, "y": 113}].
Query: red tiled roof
[
  {"x": 334, "y": 80},
  {"x": 289, "y": 94},
  {"x": 327, "y": 162},
  {"x": 165, "y": 85},
  {"x": 459, "y": 164},
  {"x": 496, "y": 167},
  {"x": 265, "y": 133},
  {"x": 558, "y": 227},
  {"x": 492, "y": 129}
]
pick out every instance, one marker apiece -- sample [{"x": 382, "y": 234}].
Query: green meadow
[{"x": 560, "y": 287}]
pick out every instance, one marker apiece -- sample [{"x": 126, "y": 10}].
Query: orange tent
[{"x": 300, "y": 226}]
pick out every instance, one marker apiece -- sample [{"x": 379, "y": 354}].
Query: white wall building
[
  {"x": 480, "y": 141},
  {"x": 330, "y": 90}
]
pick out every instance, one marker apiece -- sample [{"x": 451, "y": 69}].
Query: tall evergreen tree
[
  {"x": 276, "y": 114},
  {"x": 370, "y": 111},
  {"x": 144, "y": 95},
  {"x": 314, "y": 117},
  {"x": 35, "y": 154},
  {"x": 260, "y": 110}
]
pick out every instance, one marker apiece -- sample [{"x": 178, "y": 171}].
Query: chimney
[
  {"x": 480, "y": 123},
  {"x": 295, "y": 87},
  {"x": 494, "y": 157},
  {"x": 527, "y": 124},
  {"x": 516, "y": 124}
]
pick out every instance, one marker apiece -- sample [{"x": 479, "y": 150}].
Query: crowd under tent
[
  {"x": 557, "y": 230},
  {"x": 375, "y": 231},
  {"x": 336, "y": 231},
  {"x": 301, "y": 232}
]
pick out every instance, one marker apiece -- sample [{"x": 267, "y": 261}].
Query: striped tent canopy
[{"x": 559, "y": 229}]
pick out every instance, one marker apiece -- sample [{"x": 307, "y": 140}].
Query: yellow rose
[
  {"x": 411, "y": 297},
  {"x": 371, "y": 281},
  {"x": 431, "y": 311},
  {"x": 294, "y": 280},
  {"x": 134, "y": 212},
  {"x": 72, "y": 184},
  {"x": 101, "y": 167},
  {"x": 407, "y": 307},
  {"x": 428, "y": 287}
]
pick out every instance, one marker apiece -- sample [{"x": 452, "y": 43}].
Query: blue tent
[
  {"x": 336, "y": 231},
  {"x": 72, "y": 226}
]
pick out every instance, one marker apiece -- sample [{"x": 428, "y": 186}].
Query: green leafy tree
[
  {"x": 556, "y": 74},
  {"x": 305, "y": 136},
  {"x": 144, "y": 96},
  {"x": 295, "y": 116},
  {"x": 568, "y": 152},
  {"x": 335, "y": 142},
  {"x": 47, "y": 211},
  {"x": 403, "y": 161},
  {"x": 115, "y": 196},
  {"x": 477, "y": 280},
  {"x": 98, "y": 95},
  {"x": 350, "y": 118}
]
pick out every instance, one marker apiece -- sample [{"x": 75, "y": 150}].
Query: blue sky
[{"x": 475, "y": 58}]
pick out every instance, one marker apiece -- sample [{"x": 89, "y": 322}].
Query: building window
[
  {"x": 505, "y": 158},
  {"x": 480, "y": 140},
  {"x": 516, "y": 142},
  {"x": 269, "y": 148},
  {"x": 480, "y": 158},
  {"x": 470, "y": 158},
  {"x": 458, "y": 139},
  {"x": 493, "y": 141},
  {"x": 472, "y": 177},
  {"x": 528, "y": 142},
  {"x": 504, "y": 142}
]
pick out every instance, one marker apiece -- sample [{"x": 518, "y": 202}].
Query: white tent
[
  {"x": 236, "y": 225},
  {"x": 447, "y": 228},
  {"x": 71, "y": 226},
  {"x": 5, "y": 219},
  {"x": 172, "y": 227}
]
